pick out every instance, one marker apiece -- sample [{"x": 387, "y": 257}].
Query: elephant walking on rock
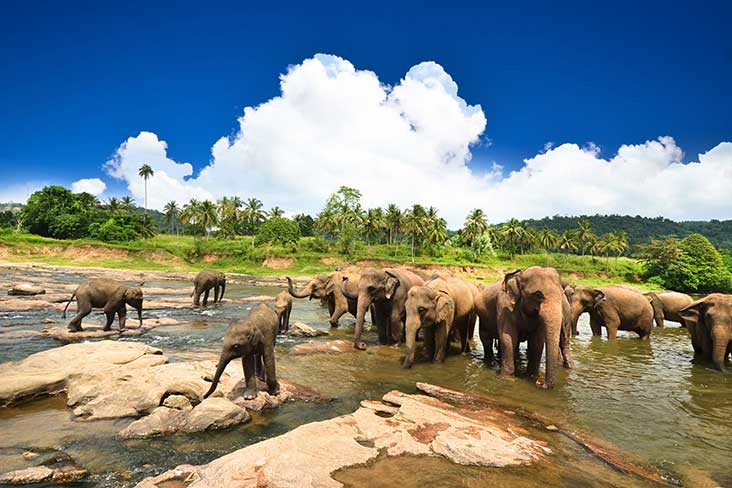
[
  {"x": 709, "y": 322},
  {"x": 613, "y": 307},
  {"x": 204, "y": 282},
  {"x": 667, "y": 305},
  {"x": 253, "y": 340},
  {"x": 327, "y": 287},
  {"x": 387, "y": 290},
  {"x": 110, "y": 295}
]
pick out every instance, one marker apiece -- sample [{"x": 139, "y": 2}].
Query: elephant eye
[{"x": 421, "y": 309}]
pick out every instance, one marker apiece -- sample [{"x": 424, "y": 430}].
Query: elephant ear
[
  {"x": 512, "y": 285},
  {"x": 330, "y": 284},
  {"x": 392, "y": 283},
  {"x": 255, "y": 338},
  {"x": 445, "y": 308},
  {"x": 693, "y": 314},
  {"x": 598, "y": 296}
]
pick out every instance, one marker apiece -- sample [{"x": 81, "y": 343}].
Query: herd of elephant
[{"x": 532, "y": 305}]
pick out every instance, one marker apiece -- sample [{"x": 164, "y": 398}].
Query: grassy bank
[{"x": 310, "y": 256}]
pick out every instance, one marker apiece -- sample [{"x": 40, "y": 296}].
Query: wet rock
[
  {"x": 49, "y": 467},
  {"x": 28, "y": 455},
  {"x": 410, "y": 424},
  {"x": 162, "y": 420},
  {"x": 47, "y": 372},
  {"x": 331, "y": 347},
  {"x": 27, "y": 476},
  {"x": 214, "y": 413},
  {"x": 299, "y": 329},
  {"x": 26, "y": 290},
  {"x": 179, "y": 402},
  {"x": 19, "y": 334},
  {"x": 96, "y": 331}
]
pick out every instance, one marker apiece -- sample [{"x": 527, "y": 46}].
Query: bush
[
  {"x": 316, "y": 244},
  {"x": 278, "y": 230},
  {"x": 113, "y": 231}
]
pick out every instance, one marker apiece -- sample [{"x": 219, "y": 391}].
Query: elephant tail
[{"x": 69, "y": 303}]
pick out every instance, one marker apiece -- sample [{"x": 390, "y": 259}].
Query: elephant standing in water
[
  {"x": 387, "y": 290},
  {"x": 110, "y": 295},
  {"x": 614, "y": 307},
  {"x": 532, "y": 306},
  {"x": 485, "y": 306},
  {"x": 709, "y": 321},
  {"x": 283, "y": 308},
  {"x": 440, "y": 306},
  {"x": 667, "y": 305},
  {"x": 328, "y": 288},
  {"x": 253, "y": 340},
  {"x": 204, "y": 281}
]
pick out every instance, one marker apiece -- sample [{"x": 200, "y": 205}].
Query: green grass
[{"x": 185, "y": 253}]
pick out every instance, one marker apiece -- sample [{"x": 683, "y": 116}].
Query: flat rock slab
[
  {"x": 47, "y": 372},
  {"x": 299, "y": 329},
  {"x": 26, "y": 290},
  {"x": 96, "y": 331},
  {"x": 330, "y": 347},
  {"x": 46, "y": 467},
  {"x": 403, "y": 424}
]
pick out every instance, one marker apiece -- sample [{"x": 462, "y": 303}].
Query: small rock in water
[
  {"x": 179, "y": 402},
  {"x": 552, "y": 428},
  {"x": 299, "y": 329},
  {"x": 28, "y": 455},
  {"x": 26, "y": 290},
  {"x": 337, "y": 346}
]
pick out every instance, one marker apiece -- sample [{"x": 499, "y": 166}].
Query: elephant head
[
  {"x": 242, "y": 339},
  {"x": 374, "y": 285},
  {"x": 426, "y": 308},
  {"x": 319, "y": 287},
  {"x": 582, "y": 299},
  {"x": 709, "y": 321},
  {"x": 133, "y": 297}
]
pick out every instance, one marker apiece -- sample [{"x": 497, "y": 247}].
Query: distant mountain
[{"x": 641, "y": 230}]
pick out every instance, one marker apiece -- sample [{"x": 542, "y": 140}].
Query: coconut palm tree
[
  {"x": 172, "y": 214},
  {"x": 514, "y": 231},
  {"x": 114, "y": 205},
  {"x": 127, "y": 204},
  {"x": 548, "y": 240},
  {"x": 568, "y": 241},
  {"x": 208, "y": 216},
  {"x": 393, "y": 220},
  {"x": 145, "y": 173},
  {"x": 190, "y": 214},
  {"x": 373, "y": 223},
  {"x": 584, "y": 234},
  {"x": 253, "y": 214},
  {"x": 229, "y": 214},
  {"x": 276, "y": 212},
  {"x": 476, "y": 224},
  {"x": 435, "y": 232},
  {"x": 414, "y": 223}
]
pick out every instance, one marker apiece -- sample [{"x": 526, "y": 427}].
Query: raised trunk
[
  {"x": 291, "y": 289},
  {"x": 224, "y": 360},
  {"x": 411, "y": 332}
]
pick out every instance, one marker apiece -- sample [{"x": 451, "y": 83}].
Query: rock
[
  {"x": 307, "y": 455},
  {"x": 61, "y": 333},
  {"x": 19, "y": 334},
  {"x": 179, "y": 402},
  {"x": 332, "y": 347},
  {"x": 28, "y": 455},
  {"x": 47, "y": 372},
  {"x": 214, "y": 413},
  {"x": 162, "y": 420},
  {"x": 298, "y": 329},
  {"x": 26, "y": 290},
  {"x": 50, "y": 467},
  {"x": 27, "y": 476}
]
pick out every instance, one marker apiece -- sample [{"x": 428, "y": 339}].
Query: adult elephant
[
  {"x": 253, "y": 340},
  {"x": 441, "y": 305},
  {"x": 387, "y": 289},
  {"x": 110, "y": 295},
  {"x": 204, "y": 282},
  {"x": 327, "y": 287},
  {"x": 532, "y": 306},
  {"x": 485, "y": 306},
  {"x": 709, "y": 322},
  {"x": 613, "y": 307},
  {"x": 667, "y": 305}
]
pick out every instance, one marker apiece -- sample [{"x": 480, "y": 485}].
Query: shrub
[{"x": 278, "y": 230}]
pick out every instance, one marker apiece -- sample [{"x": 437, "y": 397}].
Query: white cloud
[
  {"x": 93, "y": 186},
  {"x": 335, "y": 125},
  {"x": 19, "y": 193}
]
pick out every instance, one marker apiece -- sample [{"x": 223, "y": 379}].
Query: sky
[{"x": 522, "y": 109}]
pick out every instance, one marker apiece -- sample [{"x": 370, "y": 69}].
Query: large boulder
[{"x": 402, "y": 424}]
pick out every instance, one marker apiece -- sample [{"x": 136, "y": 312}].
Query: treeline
[{"x": 641, "y": 230}]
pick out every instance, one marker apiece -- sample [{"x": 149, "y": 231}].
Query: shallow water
[{"x": 645, "y": 397}]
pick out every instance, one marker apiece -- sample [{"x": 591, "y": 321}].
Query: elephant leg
[
  {"x": 196, "y": 297},
  {"x": 248, "y": 363},
  {"x": 216, "y": 294},
  {"x": 535, "y": 349},
  {"x": 83, "y": 308},
  {"x": 383, "y": 313},
  {"x": 595, "y": 325},
  {"x": 259, "y": 367},
  {"x": 428, "y": 335},
  {"x": 471, "y": 325},
  {"x": 273, "y": 386},
  {"x": 466, "y": 332},
  {"x": 612, "y": 324},
  {"x": 395, "y": 325},
  {"x": 565, "y": 349},
  {"x": 122, "y": 315},
  {"x": 287, "y": 321},
  {"x": 205, "y": 297},
  {"x": 509, "y": 345},
  {"x": 486, "y": 338},
  {"x": 440, "y": 344},
  {"x": 109, "y": 319}
]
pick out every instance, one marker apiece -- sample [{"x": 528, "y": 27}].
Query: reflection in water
[{"x": 643, "y": 396}]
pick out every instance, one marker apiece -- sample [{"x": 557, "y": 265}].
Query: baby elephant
[
  {"x": 283, "y": 307},
  {"x": 204, "y": 281},
  {"x": 110, "y": 295},
  {"x": 252, "y": 340}
]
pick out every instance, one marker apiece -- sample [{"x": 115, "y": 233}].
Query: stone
[
  {"x": 96, "y": 330},
  {"x": 162, "y": 420},
  {"x": 27, "y": 476},
  {"x": 51, "y": 466},
  {"x": 28, "y": 455},
  {"x": 214, "y": 413},
  {"x": 403, "y": 424},
  {"x": 299, "y": 329},
  {"x": 179, "y": 402},
  {"x": 26, "y": 290},
  {"x": 317, "y": 347}
]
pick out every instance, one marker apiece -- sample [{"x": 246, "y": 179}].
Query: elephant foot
[
  {"x": 334, "y": 325},
  {"x": 568, "y": 363},
  {"x": 74, "y": 329},
  {"x": 250, "y": 394},
  {"x": 406, "y": 364},
  {"x": 274, "y": 389},
  {"x": 543, "y": 386},
  {"x": 361, "y": 346}
]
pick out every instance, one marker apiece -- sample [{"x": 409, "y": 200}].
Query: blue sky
[{"x": 80, "y": 78}]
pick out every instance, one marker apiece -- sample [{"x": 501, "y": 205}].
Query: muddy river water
[{"x": 646, "y": 398}]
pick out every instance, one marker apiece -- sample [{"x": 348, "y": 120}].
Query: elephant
[
  {"x": 252, "y": 339},
  {"x": 387, "y": 289},
  {"x": 667, "y": 305},
  {"x": 441, "y": 305},
  {"x": 709, "y": 322},
  {"x": 616, "y": 308},
  {"x": 283, "y": 308},
  {"x": 532, "y": 306},
  {"x": 204, "y": 281},
  {"x": 485, "y": 306},
  {"x": 110, "y": 295},
  {"x": 327, "y": 287}
]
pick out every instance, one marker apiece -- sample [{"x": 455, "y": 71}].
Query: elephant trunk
[
  {"x": 412, "y": 326},
  {"x": 139, "y": 314},
  {"x": 291, "y": 289},
  {"x": 364, "y": 304},
  {"x": 223, "y": 289},
  {"x": 224, "y": 361},
  {"x": 344, "y": 290},
  {"x": 551, "y": 314},
  {"x": 720, "y": 341}
]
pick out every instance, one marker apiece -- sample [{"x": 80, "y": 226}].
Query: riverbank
[{"x": 186, "y": 254}]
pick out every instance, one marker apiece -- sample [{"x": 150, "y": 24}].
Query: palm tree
[
  {"x": 229, "y": 212},
  {"x": 394, "y": 221},
  {"x": 145, "y": 173},
  {"x": 568, "y": 241},
  {"x": 253, "y": 213},
  {"x": 548, "y": 240},
  {"x": 514, "y": 231},
  {"x": 585, "y": 234},
  {"x": 475, "y": 225},
  {"x": 128, "y": 205},
  {"x": 191, "y": 213},
  {"x": 414, "y": 223},
  {"x": 276, "y": 212},
  {"x": 435, "y": 228},
  {"x": 172, "y": 214},
  {"x": 114, "y": 205},
  {"x": 208, "y": 216},
  {"x": 373, "y": 223}
]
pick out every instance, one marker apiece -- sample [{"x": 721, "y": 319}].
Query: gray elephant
[
  {"x": 532, "y": 306},
  {"x": 327, "y": 287},
  {"x": 709, "y": 322},
  {"x": 613, "y": 307},
  {"x": 283, "y": 308},
  {"x": 110, "y": 295},
  {"x": 387, "y": 289},
  {"x": 485, "y": 306},
  {"x": 441, "y": 306},
  {"x": 667, "y": 305},
  {"x": 204, "y": 282},
  {"x": 252, "y": 339}
]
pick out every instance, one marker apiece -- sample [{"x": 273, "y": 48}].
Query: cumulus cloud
[
  {"x": 19, "y": 193},
  {"x": 336, "y": 125},
  {"x": 93, "y": 186}
]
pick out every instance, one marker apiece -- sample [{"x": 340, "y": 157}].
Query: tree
[
  {"x": 393, "y": 219},
  {"x": 475, "y": 225},
  {"x": 172, "y": 214},
  {"x": 373, "y": 223},
  {"x": 514, "y": 232},
  {"x": 343, "y": 217},
  {"x": 585, "y": 234},
  {"x": 208, "y": 216},
  {"x": 127, "y": 204},
  {"x": 306, "y": 224},
  {"x": 414, "y": 223},
  {"x": 435, "y": 231},
  {"x": 276, "y": 212},
  {"x": 278, "y": 230},
  {"x": 145, "y": 173},
  {"x": 114, "y": 205},
  {"x": 254, "y": 214},
  {"x": 568, "y": 241},
  {"x": 229, "y": 214},
  {"x": 191, "y": 214}
]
